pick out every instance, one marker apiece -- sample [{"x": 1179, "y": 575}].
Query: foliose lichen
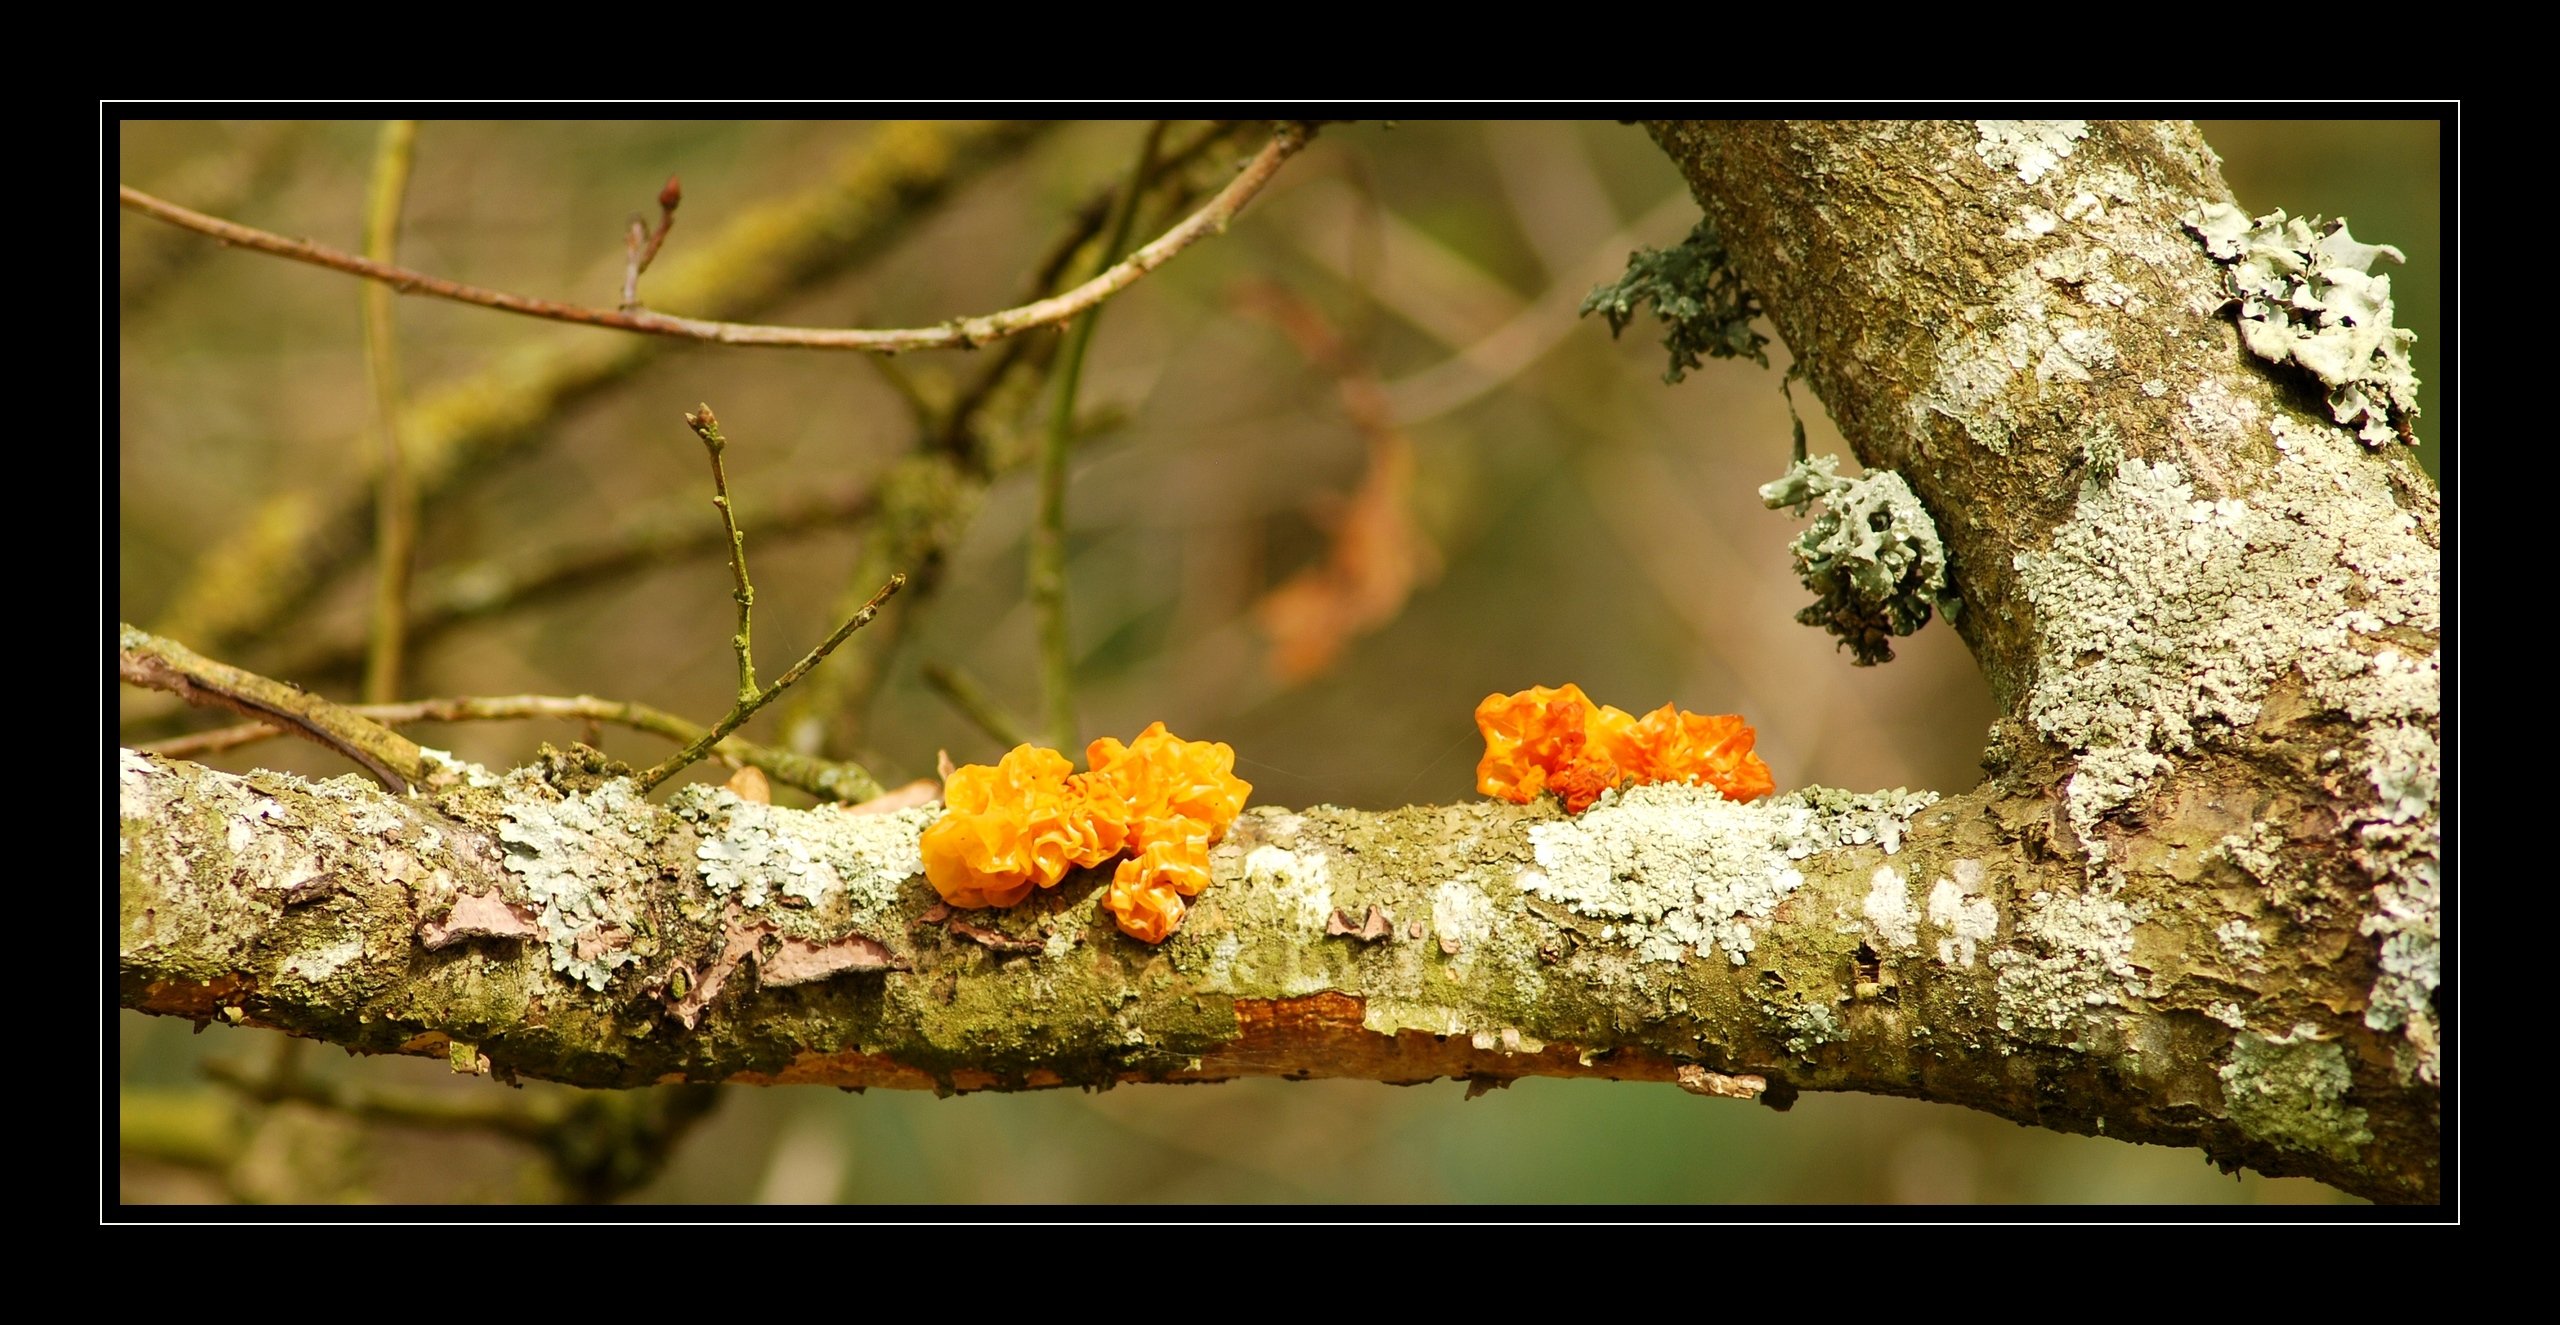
[
  {"x": 1679, "y": 870},
  {"x": 2075, "y": 954},
  {"x": 853, "y": 868},
  {"x": 1302, "y": 882},
  {"x": 2401, "y": 850},
  {"x": 1888, "y": 908},
  {"x": 2305, "y": 298},
  {"x": 2162, "y": 618},
  {"x": 1705, "y": 308},
  {"x": 581, "y": 864},
  {"x": 2289, "y": 1091},
  {"x": 1872, "y": 557},
  {"x": 2031, "y": 148},
  {"x": 2241, "y": 942},
  {"x": 1959, "y": 907}
]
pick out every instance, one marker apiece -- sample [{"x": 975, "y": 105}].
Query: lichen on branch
[{"x": 1706, "y": 310}]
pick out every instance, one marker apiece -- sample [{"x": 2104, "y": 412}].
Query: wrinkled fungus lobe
[
  {"x": 1026, "y": 821},
  {"x": 1557, "y": 740}
]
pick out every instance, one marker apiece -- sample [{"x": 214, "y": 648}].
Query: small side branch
[
  {"x": 826, "y": 779},
  {"x": 750, "y": 696},
  {"x": 395, "y": 518},
  {"x": 693, "y": 753},
  {"x": 145, "y": 659},
  {"x": 1048, "y": 569},
  {"x": 707, "y": 427},
  {"x": 647, "y": 240},
  {"x": 959, "y": 333}
]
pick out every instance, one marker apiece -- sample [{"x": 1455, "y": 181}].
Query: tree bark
[{"x": 2194, "y": 904}]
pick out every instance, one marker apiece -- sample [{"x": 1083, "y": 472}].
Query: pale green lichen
[
  {"x": 1678, "y": 869},
  {"x": 2305, "y": 298},
  {"x": 1873, "y": 557},
  {"x": 1462, "y": 917},
  {"x": 319, "y": 964},
  {"x": 582, "y": 866},
  {"x": 1993, "y": 379},
  {"x": 2241, "y": 942},
  {"x": 1300, "y": 885},
  {"x": 1970, "y": 919},
  {"x": 2162, "y": 618},
  {"x": 2402, "y": 851},
  {"x": 1278, "y": 902},
  {"x": 2290, "y": 1091},
  {"x": 2074, "y": 954},
  {"x": 1888, "y": 908},
  {"x": 1805, "y": 1024},
  {"x": 2031, "y": 148},
  {"x": 852, "y": 868},
  {"x": 2255, "y": 851}
]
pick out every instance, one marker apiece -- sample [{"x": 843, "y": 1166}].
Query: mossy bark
[{"x": 2195, "y": 903}]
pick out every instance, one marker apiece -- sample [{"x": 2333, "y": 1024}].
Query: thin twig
[
  {"x": 456, "y": 594},
  {"x": 707, "y": 427},
  {"x": 959, "y": 333},
  {"x": 677, "y": 762},
  {"x": 145, "y": 659},
  {"x": 395, "y": 495},
  {"x": 750, "y": 698},
  {"x": 926, "y": 503},
  {"x": 248, "y": 585},
  {"x": 826, "y": 779},
  {"x": 1047, "y": 576},
  {"x": 963, "y": 693},
  {"x": 1086, "y": 222},
  {"x": 645, "y": 242}
]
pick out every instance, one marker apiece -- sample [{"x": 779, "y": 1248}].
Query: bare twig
[
  {"x": 244, "y": 587},
  {"x": 395, "y": 495},
  {"x": 707, "y": 427},
  {"x": 963, "y": 693},
  {"x": 1087, "y": 222},
  {"x": 1047, "y": 577},
  {"x": 456, "y": 594},
  {"x": 676, "y": 763},
  {"x": 750, "y": 698},
  {"x": 645, "y": 242},
  {"x": 929, "y": 497},
  {"x": 826, "y": 779},
  {"x": 145, "y": 659},
  {"x": 959, "y": 333},
  {"x": 598, "y": 1144}
]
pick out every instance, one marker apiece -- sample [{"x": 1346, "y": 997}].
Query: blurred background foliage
[{"x": 1372, "y": 391}]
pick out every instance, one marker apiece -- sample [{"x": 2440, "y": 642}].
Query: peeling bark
[{"x": 2195, "y": 903}]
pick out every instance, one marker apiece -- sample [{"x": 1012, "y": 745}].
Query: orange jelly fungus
[
  {"x": 1558, "y": 740},
  {"x": 1025, "y": 822}
]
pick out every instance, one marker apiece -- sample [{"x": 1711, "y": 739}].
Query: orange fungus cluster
[
  {"x": 1558, "y": 740},
  {"x": 1026, "y": 821}
]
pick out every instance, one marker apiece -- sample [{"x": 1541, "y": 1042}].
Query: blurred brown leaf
[{"x": 1377, "y": 555}]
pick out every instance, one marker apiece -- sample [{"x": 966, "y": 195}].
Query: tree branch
[
  {"x": 614, "y": 942},
  {"x": 826, "y": 779},
  {"x": 2195, "y": 904},
  {"x": 147, "y": 660},
  {"x": 291, "y": 546},
  {"x": 959, "y": 333}
]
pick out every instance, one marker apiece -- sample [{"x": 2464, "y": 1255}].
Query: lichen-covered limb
[
  {"x": 1890, "y": 943},
  {"x": 2210, "y": 612}
]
